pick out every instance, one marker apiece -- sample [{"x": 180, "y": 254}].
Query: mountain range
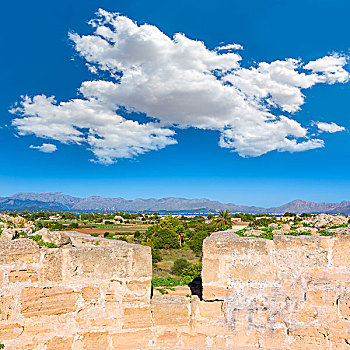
[{"x": 57, "y": 201}]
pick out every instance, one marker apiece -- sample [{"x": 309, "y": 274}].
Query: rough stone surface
[
  {"x": 58, "y": 238},
  {"x": 286, "y": 293},
  {"x": 292, "y": 292}
]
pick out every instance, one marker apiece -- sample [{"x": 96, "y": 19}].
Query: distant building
[
  {"x": 239, "y": 225},
  {"x": 55, "y": 217}
]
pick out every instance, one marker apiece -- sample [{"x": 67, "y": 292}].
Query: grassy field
[
  {"x": 163, "y": 268},
  {"x": 113, "y": 229}
]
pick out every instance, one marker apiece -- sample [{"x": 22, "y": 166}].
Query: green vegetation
[{"x": 179, "y": 266}]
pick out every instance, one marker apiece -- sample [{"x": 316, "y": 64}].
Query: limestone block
[
  {"x": 59, "y": 343},
  {"x": 139, "y": 340},
  {"x": 142, "y": 261},
  {"x": 90, "y": 293},
  {"x": 47, "y": 301},
  {"x": 193, "y": 341},
  {"x": 341, "y": 248},
  {"x": 23, "y": 275},
  {"x": 7, "y": 308},
  {"x": 170, "y": 310},
  {"x": 10, "y": 331},
  {"x": 211, "y": 292},
  {"x": 138, "y": 290},
  {"x": 53, "y": 265},
  {"x": 137, "y": 318},
  {"x": 19, "y": 251},
  {"x": 94, "y": 340},
  {"x": 97, "y": 263},
  {"x": 211, "y": 310},
  {"x": 167, "y": 339},
  {"x": 296, "y": 253}
]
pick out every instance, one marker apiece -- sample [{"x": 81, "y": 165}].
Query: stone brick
[
  {"x": 19, "y": 251},
  {"x": 193, "y": 341},
  {"x": 211, "y": 310},
  {"x": 47, "y": 301},
  {"x": 341, "y": 248},
  {"x": 170, "y": 310},
  {"x": 211, "y": 292},
  {"x": 90, "y": 293},
  {"x": 10, "y": 331},
  {"x": 138, "y": 290},
  {"x": 98, "y": 263},
  {"x": 167, "y": 339},
  {"x": 7, "y": 307},
  {"x": 52, "y": 265},
  {"x": 142, "y": 261},
  {"x": 137, "y": 317},
  {"x": 59, "y": 343},
  {"x": 132, "y": 340},
  {"x": 23, "y": 275},
  {"x": 95, "y": 340}
]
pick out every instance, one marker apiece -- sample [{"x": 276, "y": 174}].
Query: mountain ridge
[{"x": 57, "y": 201}]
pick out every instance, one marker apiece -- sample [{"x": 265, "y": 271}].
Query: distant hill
[{"x": 57, "y": 201}]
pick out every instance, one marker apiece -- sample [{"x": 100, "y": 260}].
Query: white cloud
[
  {"x": 45, "y": 147},
  {"x": 331, "y": 68},
  {"x": 230, "y": 47},
  {"x": 329, "y": 127},
  {"x": 177, "y": 82},
  {"x": 108, "y": 135}
]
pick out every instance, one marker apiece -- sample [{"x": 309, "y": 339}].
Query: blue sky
[{"x": 39, "y": 58}]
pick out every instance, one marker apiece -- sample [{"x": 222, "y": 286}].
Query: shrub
[
  {"x": 192, "y": 271},
  {"x": 108, "y": 235},
  {"x": 46, "y": 244},
  {"x": 137, "y": 234},
  {"x": 94, "y": 234},
  {"x": 196, "y": 243},
  {"x": 122, "y": 239},
  {"x": 156, "y": 256},
  {"x": 179, "y": 266},
  {"x": 73, "y": 225},
  {"x": 36, "y": 237},
  {"x": 164, "y": 239}
]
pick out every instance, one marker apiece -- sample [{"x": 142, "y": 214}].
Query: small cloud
[
  {"x": 329, "y": 127},
  {"x": 45, "y": 147},
  {"x": 230, "y": 47}
]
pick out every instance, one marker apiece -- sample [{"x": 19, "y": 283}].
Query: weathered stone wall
[
  {"x": 286, "y": 293},
  {"x": 74, "y": 296},
  {"x": 289, "y": 293}
]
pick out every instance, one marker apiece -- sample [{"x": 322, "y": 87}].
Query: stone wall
[
  {"x": 289, "y": 293},
  {"x": 286, "y": 293}
]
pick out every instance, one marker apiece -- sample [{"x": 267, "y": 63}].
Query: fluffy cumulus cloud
[
  {"x": 329, "y": 127},
  {"x": 45, "y": 147},
  {"x": 178, "y": 83}
]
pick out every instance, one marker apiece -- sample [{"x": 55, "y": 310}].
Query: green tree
[
  {"x": 193, "y": 271},
  {"x": 210, "y": 216},
  {"x": 196, "y": 243},
  {"x": 179, "y": 266},
  {"x": 223, "y": 222},
  {"x": 165, "y": 238}
]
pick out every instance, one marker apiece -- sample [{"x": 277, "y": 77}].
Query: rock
[
  {"x": 278, "y": 232},
  {"x": 253, "y": 232},
  {"x": 321, "y": 220},
  {"x": 57, "y": 238},
  {"x": 312, "y": 230},
  {"x": 340, "y": 230},
  {"x": 8, "y": 234}
]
